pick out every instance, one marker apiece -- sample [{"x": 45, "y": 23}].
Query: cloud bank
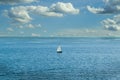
[
  {"x": 112, "y": 24},
  {"x": 22, "y": 13},
  {"x": 85, "y": 33},
  {"x": 12, "y": 2},
  {"x": 111, "y": 6}
]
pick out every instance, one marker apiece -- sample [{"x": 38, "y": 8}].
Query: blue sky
[{"x": 65, "y": 18}]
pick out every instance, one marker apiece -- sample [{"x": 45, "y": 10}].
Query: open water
[{"x": 82, "y": 59}]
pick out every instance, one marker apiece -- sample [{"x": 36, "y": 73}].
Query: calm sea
[{"x": 82, "y": 59}]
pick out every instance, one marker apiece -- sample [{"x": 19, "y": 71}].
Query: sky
[{"x": 59, "y": 18}]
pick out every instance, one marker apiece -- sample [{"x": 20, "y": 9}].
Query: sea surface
[{"x": 82, "y": 59}]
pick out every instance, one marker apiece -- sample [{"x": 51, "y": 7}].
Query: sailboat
[{"x": 59, "y": 49}]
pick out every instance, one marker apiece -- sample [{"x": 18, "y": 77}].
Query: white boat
[{"x": 59, "y": 49}]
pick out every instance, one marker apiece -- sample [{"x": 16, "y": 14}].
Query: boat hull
[{"x": 59, "y": 51}]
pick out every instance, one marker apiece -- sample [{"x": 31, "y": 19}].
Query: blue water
[{"x": 82, "y": 59}]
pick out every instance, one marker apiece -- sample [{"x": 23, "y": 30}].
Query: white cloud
[
  {"x": 35, "y": 35},
  {"x": 112, "y": 2},
  {"x": 30, "y": 26},
  {"x": 112, "y": 27},
  {"x": 10, "y": 29},
  {"x": 18, "y": 14},
  {"x": 21, "y": 14},
  {"x": 12, "y": 2},
  {"x": 112, "y": 24},
  {"x": 111, "y": 6},
  {"x": 52, "y": 14},
  {"x": 95, "y": 10},
  {"x": 43, "y": 10},
  {"x": 64, "y": 8}
]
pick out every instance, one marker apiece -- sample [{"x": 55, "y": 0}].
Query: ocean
[{"x": 37, "y": 59}]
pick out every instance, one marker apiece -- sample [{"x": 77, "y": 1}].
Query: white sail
[{"x": 59, "y": 49}]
